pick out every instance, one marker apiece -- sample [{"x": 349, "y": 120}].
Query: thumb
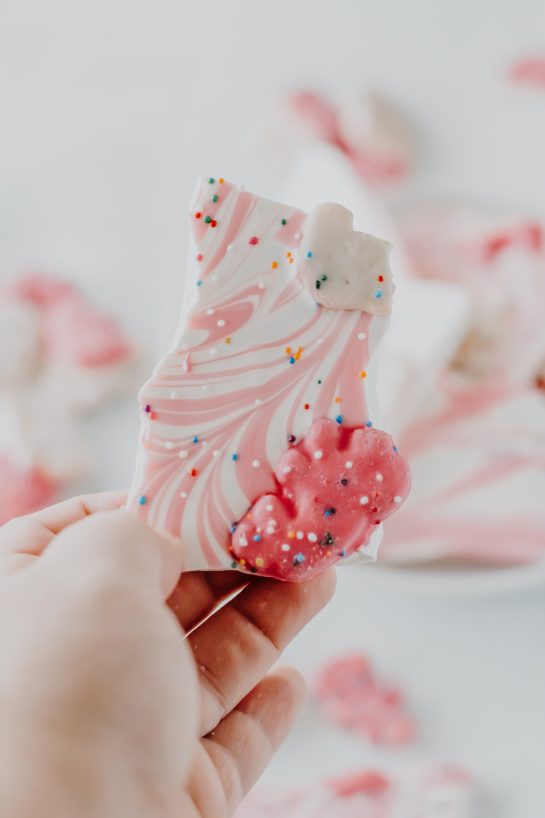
[{"x": 115, "y": 546}]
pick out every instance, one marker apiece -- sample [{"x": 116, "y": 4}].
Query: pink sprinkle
[
  {"x": 199, "y": 257},
  {"x": 253, "y": 240},
  {"x": 187, "y": 363}
]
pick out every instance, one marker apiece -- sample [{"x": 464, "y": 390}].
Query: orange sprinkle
[
  {"x": 259, "y": 561},
  {"x": 274, "y": 265},
  {"x": 297, "y": 354},
  {"x": 242, "y": 562},
  {"x": 338, "y": 399},
  {"x": 221, "y": 180},
  {"x": 288, "y": 254},
  {"x": 291, "y": 535},
  {"x": 291, "y": 260},
  {"x": 288, "y": 350},
  {"x": 198, "y": 215},
  {"x": 363, "y": 373},
  {"x": 152, "y": 415},
  {"x": 228, "y": 339}
]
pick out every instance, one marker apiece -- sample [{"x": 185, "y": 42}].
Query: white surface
[{"x": 109, "y": 112}]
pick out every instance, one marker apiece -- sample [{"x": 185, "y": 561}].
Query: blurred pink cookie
[{"x": 349, "y": 694}]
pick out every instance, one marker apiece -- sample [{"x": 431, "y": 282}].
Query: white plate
[{"x": 457, "y": 581}]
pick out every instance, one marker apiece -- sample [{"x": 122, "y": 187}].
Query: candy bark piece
[{"x": 256, "y": 362}]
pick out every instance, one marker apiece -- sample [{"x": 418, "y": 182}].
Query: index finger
[{"x": 32, "y": 533}]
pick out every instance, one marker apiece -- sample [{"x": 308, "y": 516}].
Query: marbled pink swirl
[{"x": 222, "y": 404}]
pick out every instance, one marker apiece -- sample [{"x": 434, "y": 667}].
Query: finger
[
  {"x": 242, "y": 745},
  {"x": 114, "y": 547},
  {"x": 199, "y": 593},
  {"x": 32, "y": 533},
  {"x": 236, "y": 647}
]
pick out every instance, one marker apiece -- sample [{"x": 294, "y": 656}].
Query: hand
[{"x": 106, "y": 708}]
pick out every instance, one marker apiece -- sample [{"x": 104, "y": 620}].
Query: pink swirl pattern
[{"x": 255, "y": 362}]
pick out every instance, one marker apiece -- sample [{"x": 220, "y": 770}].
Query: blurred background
[{"x": 426, "y": 119}]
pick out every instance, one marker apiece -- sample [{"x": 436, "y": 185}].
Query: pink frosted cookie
[
  {"x": 349, "y": 694},
  {"x": 258, "y": 448}
]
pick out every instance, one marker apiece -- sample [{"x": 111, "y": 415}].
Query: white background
[{"x": 108, "y": 112}]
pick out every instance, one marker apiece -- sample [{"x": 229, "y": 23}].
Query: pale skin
[{"x": 107, "y": 707}]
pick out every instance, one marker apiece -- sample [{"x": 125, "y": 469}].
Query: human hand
[{"x": 106, "y": 708}]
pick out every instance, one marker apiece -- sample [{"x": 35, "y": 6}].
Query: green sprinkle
[
  {"x": 207, "y": 219},
  {"x": 234, "y": 564},
  {"x": 284, "y": 221},
  {"x": 317, "y": 284},
  {"x": 215, "y": 197},
  {"x": 324, "y": 278},
  {"x": 211, "y": 180}
]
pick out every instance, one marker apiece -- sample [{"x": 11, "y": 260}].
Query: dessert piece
[
  {"x": 478, "y": 451},
  {"x": 60, "y": 356},
  {"x": 349, "y": 694},
  {"x": 439, "y": 791},
  {"x": 258, "y": 447},
  {"x": 365, "y": 127}
]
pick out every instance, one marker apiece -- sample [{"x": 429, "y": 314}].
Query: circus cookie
[{"x": 258, "y": 447}]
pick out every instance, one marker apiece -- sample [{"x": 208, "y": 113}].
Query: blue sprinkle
[
  {"x": 396, "y": 449},
  {"x": 142, "y": 500},
  {"x": 309, "y": 254},
  {"x": 368, "y": 423},
  {"x": 299, "y": 558},
  {"x": 257, "y": 537},
  {"x": 292, "y": 360},
  {"x": 199, "y": 282},
  {"x": 378, "y": 293},
  {"x": 234, "y": 457},
  {"x": 339, "y": 418},
  {"x": 342, "y": 553},
  {"x": 233, "y": 528},
  {"x": 195, "y": 439}
]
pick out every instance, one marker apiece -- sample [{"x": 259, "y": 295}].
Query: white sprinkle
[
  {"x": 349, "y": 464},
  {"x": 297, "y": 235},
  {"x": 242, "y": 540},
  {"x": 364, "y": 500},
  {"x": 256, "y": 464},
  {"x": 183, "y": 494},
  {"x": 210, "y": 311},
  {"x": 318, "y": 454},
  {"x": 174, "y": 395},
  {"x": 213, "y": 352},
  {"x": 312, "y": 537},
  {"x": 258, "y": 402},
  {"x": 231, "y": 247},
  {"x": 286, "y": 469},
  {"x": 183, "y": 453},
  {"x": 269, "y": 507},
  {"x": 221, "y": 323},
  {"x": 216, "y": 453},
  {"x": 378, "y": 477},
  {"x": 270, "y": 529},
  {"x": 169, "y": 444},
  {"x": 362, "y": 336},
  {"x": 397, "y": 499},
  {"x": 285, "y": 547},
  {"x": 320, "y": 341},
  {"x": 261, "y": 285},
  {"x": 299, "y": 535}
]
